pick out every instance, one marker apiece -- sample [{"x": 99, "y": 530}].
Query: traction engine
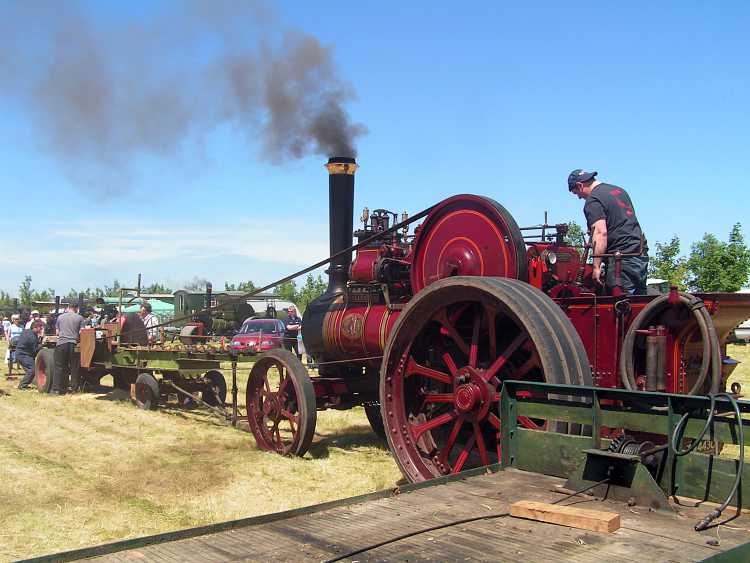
[{"x": 422, "y": 329}]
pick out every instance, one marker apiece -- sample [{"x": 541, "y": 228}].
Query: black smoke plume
[{"x": 101, "y": 92}]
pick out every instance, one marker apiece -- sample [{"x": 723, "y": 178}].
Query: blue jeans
[
  {"x": 28, "y": 367},
  {"x": 633, "y": 273}
]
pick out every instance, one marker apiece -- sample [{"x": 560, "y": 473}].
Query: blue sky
[{"x": 494, "y": 98}]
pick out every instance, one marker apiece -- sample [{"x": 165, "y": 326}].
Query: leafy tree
[
  {"x": 576, "y": 235},
  {"x": 25, "y": 293},
  {"x": 246, "y": 286},
  {"x": 314, "y": 287},
  {"x": 5, "y": 299},
  {"x": 667, "y": 264},
  {"x": 113, "y": 290},
  {"x": 287, "y": 291},
  {"x": 714, "y": 265},
  {"x": 737, "y": 260},
  {"x": 156, "y": 288}
]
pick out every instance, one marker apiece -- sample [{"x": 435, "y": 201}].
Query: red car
[{"x": 259, "y": 335}]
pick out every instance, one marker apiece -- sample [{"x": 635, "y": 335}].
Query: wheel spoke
[
  {"x": 498, "y": 364},
  {"x": 526, "y": 422},
  {"x": 289, "y": 416},
  {"x": 452, "y": 367},
  {"x": 474, "y": 347},
  {"x": 480, "y": 444},
  {"x": 527, "y": 366},
  {"x": 494, "y": 420},
  {"x": 446, "y": 451},
  {"x": 464, "y": 455},
  {"x": 284, "y": 384},
  {"x": 420, "y": 429},
  {"x": 413, "y": 368},
  {"x": 438, "y": 398},
  {"x": 451, "y": 331}
]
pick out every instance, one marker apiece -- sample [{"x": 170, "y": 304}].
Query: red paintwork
[
  {"x": 470, "y": 235},
  {"x": 363, "y": 266}
]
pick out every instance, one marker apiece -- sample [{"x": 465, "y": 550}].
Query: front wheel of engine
[{"x": 281, "y": 409}]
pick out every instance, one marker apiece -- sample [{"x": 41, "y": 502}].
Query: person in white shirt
[
  {"x": 34, "y": 317},
  {"x": 150, "y": 320}
]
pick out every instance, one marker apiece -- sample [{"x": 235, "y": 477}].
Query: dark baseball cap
[{"x": 579, "y": 175}]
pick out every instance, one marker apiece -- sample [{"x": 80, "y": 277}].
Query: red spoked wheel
[
  {"x": 445, "y": 361},
  {"x": 281, "y": 406}
]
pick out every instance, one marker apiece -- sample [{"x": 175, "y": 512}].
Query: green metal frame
[{"x": 697, "y": 475}]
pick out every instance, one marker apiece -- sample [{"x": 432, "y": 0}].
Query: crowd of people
[{"x": 25, "y": 338}]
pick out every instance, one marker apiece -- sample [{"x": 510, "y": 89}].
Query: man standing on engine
[{"x": 611, "y": 220}]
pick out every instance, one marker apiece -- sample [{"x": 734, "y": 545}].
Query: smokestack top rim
[{"x": 342, "y": 160}]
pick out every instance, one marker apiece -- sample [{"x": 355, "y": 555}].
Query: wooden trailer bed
[{"x": 325, "y": 531}]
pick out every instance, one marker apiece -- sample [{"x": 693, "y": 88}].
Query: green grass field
[{"x": 86, "y": 469}]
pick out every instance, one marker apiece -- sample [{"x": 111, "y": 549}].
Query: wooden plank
[{"x": 582, "y": 518}]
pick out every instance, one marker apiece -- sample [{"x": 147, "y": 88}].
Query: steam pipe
[{"x": 341, "y": 171}]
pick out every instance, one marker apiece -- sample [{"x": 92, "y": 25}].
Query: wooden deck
[{"x": 317, "y": 536}]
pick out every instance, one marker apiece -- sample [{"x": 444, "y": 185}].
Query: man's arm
[{"x": 599, "y": 244}]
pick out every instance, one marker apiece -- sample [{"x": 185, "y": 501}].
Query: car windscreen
[{"x": 259, "y": 326}]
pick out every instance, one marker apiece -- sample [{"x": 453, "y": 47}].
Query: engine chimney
[{"x": 341, "y": 171}]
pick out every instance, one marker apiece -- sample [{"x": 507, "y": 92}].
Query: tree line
[
  {"x": 289, "y": 291},
  {"x": 711, "y": 265}
]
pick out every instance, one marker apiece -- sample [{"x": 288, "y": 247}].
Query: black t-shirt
[
  {"x": 613, "y": 204},
  {"x": 291, "y": 320}
]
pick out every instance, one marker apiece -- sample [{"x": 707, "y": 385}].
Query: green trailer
[{"x": 150, "y": 373}]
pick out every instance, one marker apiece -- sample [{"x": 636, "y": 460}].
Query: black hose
[
  {"x": 711, "y": 360},
  {"x": 674, "y": 446}
]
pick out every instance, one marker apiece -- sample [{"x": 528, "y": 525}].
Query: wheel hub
[
  {"x": 272, "y": 406},
  {"x": 472, "y": 394},
  {"x": 467, "y": 396}
]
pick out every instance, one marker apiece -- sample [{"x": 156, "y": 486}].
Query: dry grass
[{"x": 86, "y": 469}]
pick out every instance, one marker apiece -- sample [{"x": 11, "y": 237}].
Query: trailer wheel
[
  {"x": 215, "y": 393},
  {"x": 44, "y": 370},
  {"x": 446, "y": 358},
  {"x": 146, "y": 391},
  {"x": 281, "y": 407}
]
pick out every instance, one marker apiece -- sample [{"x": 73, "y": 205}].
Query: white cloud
[{"x": 63, "y": 253}]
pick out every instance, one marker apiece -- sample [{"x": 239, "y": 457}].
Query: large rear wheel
[
  {"x": 446, "y": 359},
  {"x": 280, "y": 402}
]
